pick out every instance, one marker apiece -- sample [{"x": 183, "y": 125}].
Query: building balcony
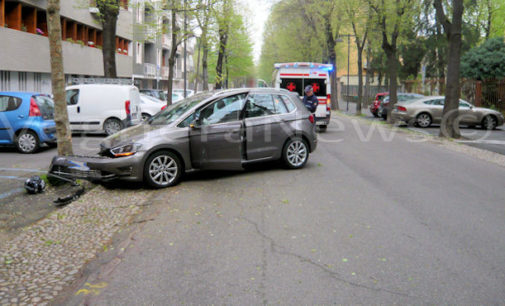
[
  {"x": 31, "y": 54},
  {"x": 166, "y": 41}
]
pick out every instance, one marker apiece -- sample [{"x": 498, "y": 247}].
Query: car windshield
[
  {"x": 174, "y": 111},
  {"x": 46, "y": 106},
  {"x": 163, "y": 95},
  {"x": 153, "y": 99}
]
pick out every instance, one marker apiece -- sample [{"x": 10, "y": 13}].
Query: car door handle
[
  {"x": 78, "y": 109},
  {"x": 21, "y": 116}
]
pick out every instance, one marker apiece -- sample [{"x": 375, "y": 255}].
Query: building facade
[{"x": 24, "y": 51}]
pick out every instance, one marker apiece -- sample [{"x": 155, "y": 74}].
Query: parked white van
[
  {"x": 295, "y": 76},
  {"x": 102, "y": 107}
]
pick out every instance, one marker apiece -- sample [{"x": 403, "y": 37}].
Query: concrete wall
[{"x": 29, "y": 52}]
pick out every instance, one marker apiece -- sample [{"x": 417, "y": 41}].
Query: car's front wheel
[
  {"x": 489, "y": 122},
  {"x": 163, "y": 169},
  {"x": 27, "y": 142},
  {"x": 295, "y": 153}
]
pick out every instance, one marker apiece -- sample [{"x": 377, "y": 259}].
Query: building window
[
  {"x": 5, "y": 80},
  {"x": 139, "y": 53},
  {"x": 37, "y": 81},
  {"x": 22, "y": 81}
]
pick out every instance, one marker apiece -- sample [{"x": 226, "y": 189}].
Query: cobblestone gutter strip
[{"x": 36, "y": 265}]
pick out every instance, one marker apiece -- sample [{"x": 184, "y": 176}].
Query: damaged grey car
[{"x": 223, "y": 130}]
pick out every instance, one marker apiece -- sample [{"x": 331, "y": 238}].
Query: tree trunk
[
  {"x": 109, "y": 9},
  {"x": 171, "y": 58},
  {"x": 450, "y": 123},
  {"x": 330, "y": 49},
  {"x": 223, "y": 39},
  {"x": 392, "y": 71},
  {"x": 205, "y": 69},
  {"x": 368, "y": 75},
  {"x": 360, "y": 79},
  {"x": 198, "y": 65},
  {"x": 63, "y": 132}
]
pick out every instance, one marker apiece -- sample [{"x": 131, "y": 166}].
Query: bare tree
[
  {"x": 450, "y": 123},
  {"x": 63, "y": 132}
]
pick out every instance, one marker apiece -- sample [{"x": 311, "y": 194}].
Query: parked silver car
[
  {"x": 214, "y": 130},
  {"x": 428, "y": 110}
]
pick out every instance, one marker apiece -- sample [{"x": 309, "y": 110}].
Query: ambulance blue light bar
[{"x": 326, "y": 67}]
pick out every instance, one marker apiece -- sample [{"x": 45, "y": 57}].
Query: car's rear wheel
[
  {"x": 112, "y": 126},
  {"x": 27, "y": 142},
  {"x": 145, "y": 117},
  {"x": 295, "y": 153},
  {"x": 489, "y": 122},
  {"x": 423, "y": 120},
  {"x": 163, "y": 169}
]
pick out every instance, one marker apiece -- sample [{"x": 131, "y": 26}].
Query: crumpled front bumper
[{"x": 96, "y": 168}]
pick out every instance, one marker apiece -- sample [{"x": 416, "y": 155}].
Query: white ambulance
[{"x": 296, "y": 76}]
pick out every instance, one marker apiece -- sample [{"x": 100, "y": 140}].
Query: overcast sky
[{"x": 260, "y": 9}]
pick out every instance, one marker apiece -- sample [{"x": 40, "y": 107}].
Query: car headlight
[{"x": 126, "y": 150}]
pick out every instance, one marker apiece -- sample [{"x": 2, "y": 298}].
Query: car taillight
[
  {"x": 34, "y": 109},
  {"x": 328, "y": 102},
  {"x": 311, "y": 118},
  {"x": 127, "y": 107},
  {"x": 401, "y": 109},
  {"x": 164, "y": 106}
]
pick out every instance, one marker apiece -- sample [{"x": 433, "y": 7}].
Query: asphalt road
[
  {"x": 487, "y": 140},
  {"x": 372, "y": 219}
]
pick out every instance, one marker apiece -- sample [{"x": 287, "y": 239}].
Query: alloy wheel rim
[
  {"x": 145, "y": 117},
  {"x": 163, "y": 170},
  {"x": 27, "y": 142},
  {"x": 423, "y": 120},
  {"x": 297, "y": 153},
  {"x": 112, "y": 127},
  {"x": 489, "y": 123}
]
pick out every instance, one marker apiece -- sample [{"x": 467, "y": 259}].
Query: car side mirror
[{"x": 195, "y": 124}]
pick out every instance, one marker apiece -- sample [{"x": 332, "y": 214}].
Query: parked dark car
[
  {"x": 223, "y": 130},
  {"x": 374, "y": 107},
  {"x": 26, "y": 120},
  {"x": 402, "y": 98}
]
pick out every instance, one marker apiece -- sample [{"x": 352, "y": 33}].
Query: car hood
[
  {"x": 129, "y": 135},
  {"x": 485, "y": 110}
]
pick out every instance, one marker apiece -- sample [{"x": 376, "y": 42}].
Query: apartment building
[
  {"x": 141, "y": 54},
  {"x": 152, "y": 47}
]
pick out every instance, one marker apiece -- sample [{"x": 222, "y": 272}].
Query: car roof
[{"x": 21, "y": 94}]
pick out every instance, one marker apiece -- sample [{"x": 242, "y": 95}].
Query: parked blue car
[{"x": 26, "y": 120}]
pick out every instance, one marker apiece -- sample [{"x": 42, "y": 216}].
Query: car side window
[
  {"x": 72, "y": 96},
  {"x": 464, "y": 104},
  {"x": 280, "y": 107},
  {"x": 429, "y": 102},
  {"x": 8, "y": 103},
  {"x": 260, "y": 105},
  {"x": 439, "y": 102},
  {"x": 223, "y": 110},
  {"x": 289, "y": 104}
]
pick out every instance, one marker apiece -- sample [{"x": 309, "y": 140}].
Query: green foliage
[
  {"x": 286, "y": 38},
  {"x": 239, "y": 49},
  {"x": 486, "y": 61}
]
